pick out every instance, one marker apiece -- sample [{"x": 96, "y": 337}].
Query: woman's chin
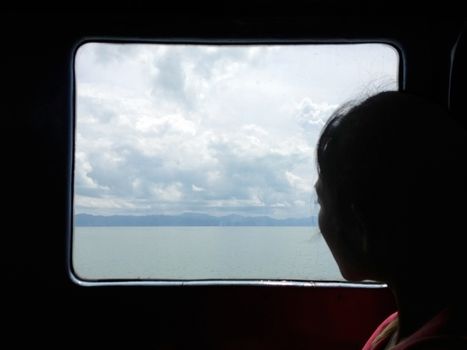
[{"x": 352, "y": 275}]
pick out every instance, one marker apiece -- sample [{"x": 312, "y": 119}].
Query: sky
[{"x": 168, "y": 129}]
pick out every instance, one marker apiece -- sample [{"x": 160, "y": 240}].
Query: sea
[{"x": 202, "y": 253}]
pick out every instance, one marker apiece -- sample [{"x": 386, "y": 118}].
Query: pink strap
[{"x": 369, "y": 344}]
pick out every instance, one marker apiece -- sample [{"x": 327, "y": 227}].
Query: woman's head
[{"x": 389, "y": 169}]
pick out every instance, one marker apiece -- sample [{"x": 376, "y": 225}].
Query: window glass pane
[{"x": 198, "y": 161}]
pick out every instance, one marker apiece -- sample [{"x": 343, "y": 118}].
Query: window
[{"x": 196, "y": 162}]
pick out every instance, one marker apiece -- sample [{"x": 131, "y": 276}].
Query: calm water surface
[{"x": 295, "y": 253}]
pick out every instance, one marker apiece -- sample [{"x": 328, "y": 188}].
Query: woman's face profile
[{"x": 345, "y": 254}]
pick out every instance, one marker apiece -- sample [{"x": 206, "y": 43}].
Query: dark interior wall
[
  {"x": 36, "y": 83},
  {"x": 458, "y": 75}
]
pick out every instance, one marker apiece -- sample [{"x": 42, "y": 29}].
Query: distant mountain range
[{"x": 189, "y": 219}]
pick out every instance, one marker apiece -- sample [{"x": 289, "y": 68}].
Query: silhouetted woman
[{"x": 392, "y": 193}]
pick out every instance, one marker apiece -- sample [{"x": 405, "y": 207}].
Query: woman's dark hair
[{"x": 394, "y": 163}]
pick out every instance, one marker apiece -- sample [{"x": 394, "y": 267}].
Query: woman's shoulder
[
  {"x": 447, "y": 330},
  {"x": 434, "y": 343}
]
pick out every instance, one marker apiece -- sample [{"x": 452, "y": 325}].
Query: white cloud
[
  {"x": 168, "y": 193},
  {"x": 236, "y": 203},
  {"x": 167, "y": 129},
  {"x": 195, "y": 188},
  {"x": 313, "y": 115},
  {"x": 300, "y": 183},
  {"x": 105, "y": 203}
]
